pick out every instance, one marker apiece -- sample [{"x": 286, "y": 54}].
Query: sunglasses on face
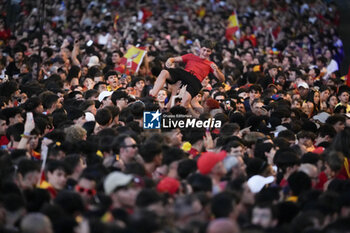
[{"x": 90, "y": 192}]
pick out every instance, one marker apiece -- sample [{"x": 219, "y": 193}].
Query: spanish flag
[
  {"x": 133, "y": 59},
  {"x": 232, "y": 27},
  {"x": 115, "y": 26}
]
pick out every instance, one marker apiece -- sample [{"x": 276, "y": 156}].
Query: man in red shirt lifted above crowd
[{"x": 196, "y": 69}]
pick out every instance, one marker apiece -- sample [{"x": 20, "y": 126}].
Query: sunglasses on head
[{"x": 90, "y": 192}]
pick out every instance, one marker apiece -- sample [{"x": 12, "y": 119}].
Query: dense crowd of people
[{"x": 75, "y": 156}]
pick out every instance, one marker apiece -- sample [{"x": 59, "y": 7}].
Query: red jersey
[{"x": 197, "y": 66}]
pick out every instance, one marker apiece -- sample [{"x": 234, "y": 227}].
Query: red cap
[
  {"x": 168, "y": 185},
  {"x": 208, "y": 160}
]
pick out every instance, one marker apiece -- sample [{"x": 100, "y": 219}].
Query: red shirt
[{"x": 197, "y": 66}]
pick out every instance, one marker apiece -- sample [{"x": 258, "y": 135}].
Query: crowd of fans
[{"x": 74, "y": 154}]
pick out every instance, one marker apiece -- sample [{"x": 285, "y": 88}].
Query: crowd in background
[{"x": 74, "y": 154}]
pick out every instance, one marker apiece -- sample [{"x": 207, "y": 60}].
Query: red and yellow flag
[
  {"x": 232, "y": 27},
  {"x": 133, "y": 58},
  {"x": 116, "y": 17}
]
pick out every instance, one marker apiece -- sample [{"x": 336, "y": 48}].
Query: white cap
[
  {"x": 89, "y": 116},
  {"x": 104, "y": 94},
  {"x": 303, "y": 84},
  {"x": 322, "y": 117},
  {"x": 256, "y": 183},
  {"x": 115, "y": 180},
  {"x": 93, "y": 61}
]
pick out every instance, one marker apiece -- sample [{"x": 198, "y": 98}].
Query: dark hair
[
  {"x": 117, "y": 95},
  {"x": 147, "y": 197},
  {"x": 222, "y": 204},
  {"x": 25, "y": 166},
  {"x": 150, "y": 150},
  {"x": 299, "y": 182},
  {"x": 208, "y": 44},
  {"x": 186, "y": 167},
  {"x": 53, "y": 165},
  {"x": 200, "y": 182},
  {"x": 103, "y": 116},
  {"x": 261, "y": 148}
]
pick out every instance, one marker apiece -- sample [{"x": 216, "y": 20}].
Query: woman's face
[
  {"x": 307, "y": 108},
  {"x": 317, "y": 97},
  {"x": 333, "y": 101},
  {"x": 324, "y": 95},
  {"x": 161, "y": 96}
]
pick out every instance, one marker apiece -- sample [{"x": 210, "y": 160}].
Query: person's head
[
  {"x": 28, "y": 173},
  {"x": 13, "y": 115},
  {"x": 326, "y": 133},
  {"x": 86, "y": 187},
  {"x": 75, "y": 163},
  {"x": 206, "y": 49},
  {"x": 223, "y": 204},
  {"x": 173, "y": 137},
  {"x": 139, "y": 84},
  {"x": 77, "y": 116},
  {"x": 56, "y": 173},
  {"x": 36, "y": 223},
  {"x": 116, "y": 56},
  {"x": 122, "y": 189},
  {"x": 234, "y": 148},
  {"x": 111, "y": 77},
  {"x": 126, "y": 147},
  {"x": 103, "y": 117},
  {"x": 258, "y": 107},
  {"x": 343, "y": 96},
  {"x": 255, "y": 92},
  {"x": 334, "y": 161},
  {"x": 3, "y": 125},
  {"x": 337, "y": 121},
  {"x": 120, "y": 98},
  {"x": 299, "y": 183},
  {"x": 162, "y": 95},
  {"x": 265, "y": 216},
  {"x": 151, "y": 152},
  {"x": 273, "y": 71},
  {"x": 51, "y": 102}
]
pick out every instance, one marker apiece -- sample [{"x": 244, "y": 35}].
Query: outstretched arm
[
  {"x": 169, "y": 63},
  {"x": 217, "y": 72}
]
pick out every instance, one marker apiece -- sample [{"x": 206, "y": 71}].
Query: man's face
[
  {"x": 86, "y": 189},
  {"x": 129, "y": 149},
  {"x": 126, "y": 195},
  {"x": 115, "y": 58},
  {"x": 112, "y": 80},
  {"x": 344, "y": 97},
  {"x": 254, "y": 94},
  {"x": 339, "y": 126},
  {"x": 258, "y": 109},
  {"x": 205, "y": 53},
  {"x": 3, "y": 127},
  {"x": 262, "y": 217},
  {"x": 122, "y": 103},
  {"x": 102, "y": 87},
  {"x": 17, "y": 119},
  {"x": 139, "y": 85},
  {"x": 57, "y": 179},
  {"x": 220, "y": 98},
  {"x": 18, "y": 56},
  {"x": 176, "y": 138},
  {"x": 273, "y": 72},
  {"x": 236, "y": 151}
]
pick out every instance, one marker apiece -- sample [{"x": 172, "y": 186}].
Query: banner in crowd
[{"x": 133, "y": 59}]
